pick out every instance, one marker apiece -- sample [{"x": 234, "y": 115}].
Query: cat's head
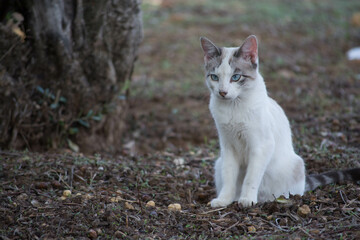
[{"x": 231, "y": 72}]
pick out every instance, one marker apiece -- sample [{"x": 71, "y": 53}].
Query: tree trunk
[{"x": 66, "y": 82}]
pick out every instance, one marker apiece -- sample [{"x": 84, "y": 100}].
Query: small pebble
[
  {"x": 35, "y": 203},
  {"x": 150, "y": 204},
  {"x": 22, "y": 197},
  {"x": 92, "y": 234},
  {"x": 174, "y": 207},
  {"x": 153, "y": 214},
  {"x": 41, "y": 185},
  {"x": 56, "y": 184},
  {"x": 9, "y": 219},
  {"x": 66, "y": 193},
  {"x": 87, "y": 196}
]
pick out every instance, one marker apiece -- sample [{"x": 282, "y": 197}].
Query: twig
[
  {"x": 275, "y": 225},
  {"x": 42, "y": 215},
  {"x": 71, "y": 176},
  {"x": 60, "y": 178},
  {"x": 288, "y": 214},
  {"x": 222, "y": 220},
  {"x": 11, "y": 154},
  {"x": 215, "y": 210},
  {"x": 92, "y": 179},
  {"x": 81, "y": 178},
  {"x": 342, "y": 197},
  {"x": 225, "y": 214},
  {"x": 8, "y": 51},
  {"x": 308, "y": 234},
  {"x": 5, "y": 183},
  {"x": 341, "y": 228},
  {"x": 138, "y": 193},
  {"x": 72, "y": 204},
  {"x": 235, "y": 224},
  {"x": 129, "y": 201},
  {"x": 122, "y": 232},
  {"x": 189, "y": 194}
]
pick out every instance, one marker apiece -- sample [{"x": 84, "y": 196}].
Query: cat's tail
[{"x": 315, "y": 180}]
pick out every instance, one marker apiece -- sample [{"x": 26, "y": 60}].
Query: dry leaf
[
  {"x": 35, "y": 203},
  {"x": 129, "y": 206},
  {"x": 251, "y": 229},
  {"x": 73, "y": 146},
  {"x": 304, "y": 210},
  {"x": 282, "y": 199},
  {"x": 92, "y": 234},
  {"x": 19, "y": 32}
]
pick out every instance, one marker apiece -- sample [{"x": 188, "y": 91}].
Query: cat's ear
[
  {"x": 249, "y": 50},
  {"x": 210, "y": 49}
]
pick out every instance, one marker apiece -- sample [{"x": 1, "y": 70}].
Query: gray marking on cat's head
[
  {"x": 226, "y": 62},
  {"x": 213, "y": 63},
  {"x": 246, "y": 57},
  {"x": 243, "y": 66},
  {"x": 212, "y": 54}
]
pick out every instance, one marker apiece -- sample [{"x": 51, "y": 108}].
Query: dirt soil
[
  {"x": 168, "y": 151},
  {"x": 110, "y": 199}
]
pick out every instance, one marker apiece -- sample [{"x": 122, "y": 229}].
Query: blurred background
[
  {"x": 127, "y": 76},
  {"x": 302, "y": 51}
]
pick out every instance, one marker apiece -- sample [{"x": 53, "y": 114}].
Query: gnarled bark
[{"x": 67, "y": 80}]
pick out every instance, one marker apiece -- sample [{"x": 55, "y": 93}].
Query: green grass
[
  {"x": 279, "y": 12},
  {"x": 175, "y": 66}
]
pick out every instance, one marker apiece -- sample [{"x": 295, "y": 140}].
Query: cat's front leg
[
  {"x": 227, "y": 169},
  {"x": 258, "y": 162}
]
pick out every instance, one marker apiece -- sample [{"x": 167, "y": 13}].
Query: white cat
[{"x": 257, "y": 160}]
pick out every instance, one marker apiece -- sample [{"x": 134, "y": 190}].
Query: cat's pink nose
[{"x": 222, "y": 93}]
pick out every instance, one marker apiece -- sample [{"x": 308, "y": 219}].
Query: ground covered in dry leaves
[
  {"x": 168, "y": 151},
  {"x": 111, "y": 198}
]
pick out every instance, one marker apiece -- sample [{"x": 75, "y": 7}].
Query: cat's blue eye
[
  {"x": 235, "y": 77},
  {"x": 214, "y": 77}
]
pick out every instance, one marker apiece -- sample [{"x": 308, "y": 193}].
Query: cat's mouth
[{"x": 223, "y": 98}]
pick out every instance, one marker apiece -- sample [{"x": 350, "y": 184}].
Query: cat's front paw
[
  {"x": 247, "y": 202},
  {"x": 219, "y": 202}
]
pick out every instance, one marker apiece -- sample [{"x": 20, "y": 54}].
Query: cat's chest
[{"x": 231, "y": 121}]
